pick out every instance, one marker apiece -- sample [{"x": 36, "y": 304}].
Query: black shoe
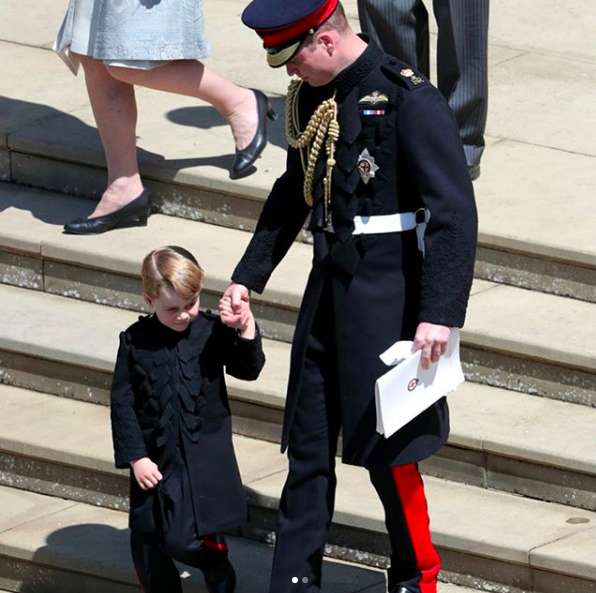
[
  {"x": 247, "y": 156},
  {"x": 474, "y": 171},
  {"x": 134, "y": 213},
  {"x": 227, "y": 584}
]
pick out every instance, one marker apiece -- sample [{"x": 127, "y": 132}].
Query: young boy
[{"x": 171, "y": 425}]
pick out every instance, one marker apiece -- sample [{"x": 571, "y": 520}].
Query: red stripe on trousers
[
  {"x": 215, "y": 545},
  {"x": 410, "y": 490}
]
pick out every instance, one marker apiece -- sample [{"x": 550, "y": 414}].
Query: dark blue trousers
[{"x": 307, "y": 501}]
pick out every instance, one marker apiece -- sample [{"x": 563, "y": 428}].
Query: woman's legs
[
  {"x": 112, "y": 96},
  {"x": 192, "y": 78},
  {"x": 115, "y": 110}
]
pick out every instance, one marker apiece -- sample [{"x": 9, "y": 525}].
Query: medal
[{"x": 366, "y": 166}]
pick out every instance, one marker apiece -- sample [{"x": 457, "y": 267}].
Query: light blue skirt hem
[{"x": 125, "y": 33}]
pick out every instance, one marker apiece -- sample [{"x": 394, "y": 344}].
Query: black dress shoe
[
  {"x": 247, "y": 156},
  {"x": 227, "y": 584},
  {"x": 134, "y": 213}
]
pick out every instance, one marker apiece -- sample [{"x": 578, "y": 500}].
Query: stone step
[
  {"x": 536, "y": 447},
  {"x": 67, "y": 347},
  {"x": 507, "y": 342},
  {"x": 53, "y": 545},
  {"x": 523, "y": 190},
  {"x": 487, "y": 539}
]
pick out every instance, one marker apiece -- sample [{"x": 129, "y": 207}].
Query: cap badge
[
  {"x": 407, "y": 73},
  {"x": 374, "y": 98},
  {"x": 366, "y": 166}
]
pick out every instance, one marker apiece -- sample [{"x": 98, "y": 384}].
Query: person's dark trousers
[
  {"x": 400, "y": 28},
  {"x": 155, "y": 568},
  {"x": 415, "y": 563},
  {"x": 307, "y": 500}
]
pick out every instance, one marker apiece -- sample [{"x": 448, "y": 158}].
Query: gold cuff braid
[{"x": 322, "y": 127}]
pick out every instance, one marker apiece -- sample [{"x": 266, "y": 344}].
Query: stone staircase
[{"x": 513, "y": 494}]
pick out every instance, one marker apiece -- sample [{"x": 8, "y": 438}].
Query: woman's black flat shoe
[
  {"x": 135, "y": 213},
  {"x": 247, "y": 156}
]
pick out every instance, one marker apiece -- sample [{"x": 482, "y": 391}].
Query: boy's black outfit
[
  {"x": 398, "y": 152},
  {"x": 169, "y": 403}
]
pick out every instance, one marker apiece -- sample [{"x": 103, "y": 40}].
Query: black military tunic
[
  {"x": 380, "y": 284},
  {"x": 169, "y": 403}
]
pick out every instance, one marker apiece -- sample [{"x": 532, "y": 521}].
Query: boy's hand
[
  {"x": 239, "y": 317},
  {"x": 146, "y": 473}
]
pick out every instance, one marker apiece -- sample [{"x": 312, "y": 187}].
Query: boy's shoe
[{"x": 227, "y": 584}]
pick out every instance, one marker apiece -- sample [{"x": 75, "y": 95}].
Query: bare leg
[
  {"x": 192, "y": 78},
  {"x": 115, "y": 111}
]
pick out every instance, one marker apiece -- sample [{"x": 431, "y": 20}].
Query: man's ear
[
  {"x": 148, "y": 300},
  {"x": 329, "y": 41}
]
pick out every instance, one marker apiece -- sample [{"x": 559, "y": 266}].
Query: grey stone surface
[
  {"x": 49, "y": 90},
  {"x": 56, "y": 377},
  {"x": 534, "y": 273},
  {"x": 557, "y": 95},
  {"x": 38, "y": 31},
  {"x": 536, "y": 200},
  {"x": 93, "y": 543},
  {"x": 38, "y": 334},
  {"x": 21, "y": 270},
  {"x": 70, "y": 178},
  {"x": 88, "y": 284},
  {"x": 526, "y": 375},
  {"x": 541, "y": 481},
  {"x": 458, "y": 465},
  {"x": 512, "y": 425},
  {"x": 564, "y": 340},
  {"x": 545, "y": 26},
  {"x": 526, "y": 336},
  {"x": 573, "y": 555},
  {"x": 18, "y": 509},
  {"x": 5, "y": 174},
  {"x": 60, "y": 480}
]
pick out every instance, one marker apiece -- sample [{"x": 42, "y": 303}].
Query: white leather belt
[{"x": 394, "y": 223}]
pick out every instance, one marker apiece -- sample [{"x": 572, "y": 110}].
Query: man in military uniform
[{"x": 376, "y": 160}]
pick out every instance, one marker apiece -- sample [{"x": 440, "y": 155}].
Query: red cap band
[{"x": 279, "y": 37}]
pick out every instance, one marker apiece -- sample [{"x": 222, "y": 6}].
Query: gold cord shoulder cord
[{"x": 323, "y": 123}]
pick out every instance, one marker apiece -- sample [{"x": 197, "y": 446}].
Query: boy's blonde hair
[{"x": 175, "y": 267}]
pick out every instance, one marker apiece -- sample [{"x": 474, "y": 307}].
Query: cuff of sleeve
[
  {"x": 123, "y": 460},
  {"x": 242, "y": 276}
]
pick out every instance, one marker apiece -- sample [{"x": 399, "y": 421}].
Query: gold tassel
[{"x": 322, "y": 127}]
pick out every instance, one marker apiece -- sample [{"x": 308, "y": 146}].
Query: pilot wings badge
[{"x": 374, "y": 98}]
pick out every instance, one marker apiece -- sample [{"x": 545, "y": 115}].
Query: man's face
[{"x": 313, "y": 63}]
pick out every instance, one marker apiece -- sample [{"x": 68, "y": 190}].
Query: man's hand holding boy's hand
[
  {"x": 146, "y": 473},
  {"x": 238, "y": 315}
]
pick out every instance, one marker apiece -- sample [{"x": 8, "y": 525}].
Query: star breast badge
[{"x": 366, "y": 166}]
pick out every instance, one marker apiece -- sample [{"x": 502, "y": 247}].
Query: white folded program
[{"x": 407, "y": 389}]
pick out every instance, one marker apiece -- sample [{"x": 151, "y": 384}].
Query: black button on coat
[
  {"x": 169, "y": 403},
  {"x": 381, "y": 286}
]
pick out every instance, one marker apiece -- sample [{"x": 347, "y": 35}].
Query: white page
[{"x": 407, "y": 389}]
